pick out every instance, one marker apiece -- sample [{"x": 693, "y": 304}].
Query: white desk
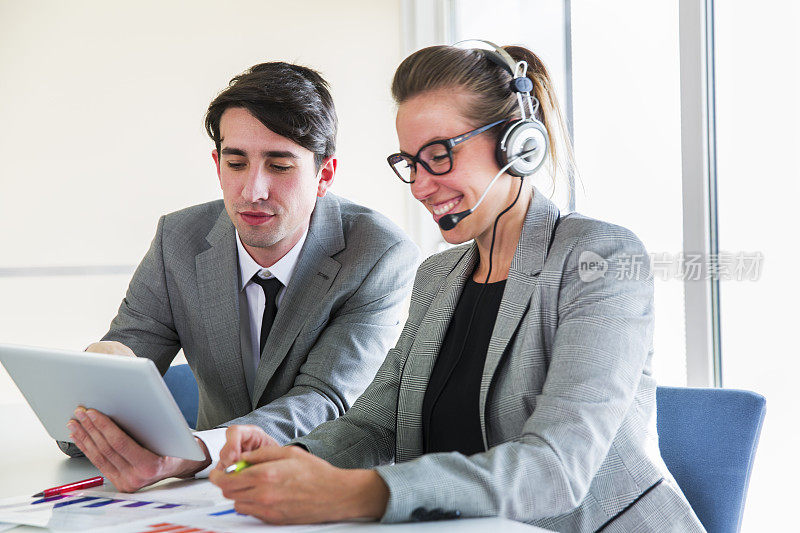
[{"x": 30, "y": 461}]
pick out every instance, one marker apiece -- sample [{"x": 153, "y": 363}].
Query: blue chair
[
  {"x": 708, "y": 439},
  {"x": 183, "y": 386}
]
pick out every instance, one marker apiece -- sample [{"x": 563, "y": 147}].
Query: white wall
[{"x": 101, "y": 106}]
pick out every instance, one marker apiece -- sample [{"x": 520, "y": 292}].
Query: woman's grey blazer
[{"x": 567, "y": 400}]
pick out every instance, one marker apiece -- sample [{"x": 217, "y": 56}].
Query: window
[{"x": 756, "y": 56}]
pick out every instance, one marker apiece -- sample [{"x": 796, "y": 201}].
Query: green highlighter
[{"x": 238, "y": 466}]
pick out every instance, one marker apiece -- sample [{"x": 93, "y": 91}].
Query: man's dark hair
[{"x": 290, "y": 100}]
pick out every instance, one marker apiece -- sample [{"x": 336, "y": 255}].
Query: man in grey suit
[{"x": 283, "y": 297}]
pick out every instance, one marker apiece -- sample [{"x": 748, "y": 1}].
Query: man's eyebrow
[
  {"x": 268, "y": 153},
  {"x": 280, "y": 153},
  {"x": 232, "y": 151}
]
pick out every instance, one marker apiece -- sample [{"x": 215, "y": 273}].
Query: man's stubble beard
[{"x": 260, "y": 238}]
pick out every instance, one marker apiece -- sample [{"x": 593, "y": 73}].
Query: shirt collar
[{"x": 282, "y": 269}]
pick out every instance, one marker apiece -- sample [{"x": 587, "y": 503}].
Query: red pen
[{"x": 83, "y": 484}]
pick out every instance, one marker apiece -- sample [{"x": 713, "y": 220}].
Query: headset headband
[
  {"x": 500, "y": 56},
  {"x": 521, "y": 84}
]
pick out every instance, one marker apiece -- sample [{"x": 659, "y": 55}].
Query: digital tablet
[{"x": 129, "y": 390}]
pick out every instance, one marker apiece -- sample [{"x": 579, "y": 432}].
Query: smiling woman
[{"x": 519, "y": 387}]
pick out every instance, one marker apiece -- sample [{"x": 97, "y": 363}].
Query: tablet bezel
[{"x": 130, "y": 390}]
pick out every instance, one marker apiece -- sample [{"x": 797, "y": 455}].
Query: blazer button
[{"x": 420, "y": 514}]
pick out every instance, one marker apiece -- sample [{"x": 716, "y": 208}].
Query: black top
[{"x": 450, "y": 417}]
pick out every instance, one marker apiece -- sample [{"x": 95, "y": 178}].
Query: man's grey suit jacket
[
  {"x": 338, "y": 316},
  {"x": 567, "y": 400}
]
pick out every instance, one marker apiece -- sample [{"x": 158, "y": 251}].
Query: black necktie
[{"x": 271, "y": 287}]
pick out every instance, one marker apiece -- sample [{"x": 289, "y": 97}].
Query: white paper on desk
[
  {"x": 88, "y": 510},
  {"x": 184, "y": 491},
  {"x": 220, "y": 518}
]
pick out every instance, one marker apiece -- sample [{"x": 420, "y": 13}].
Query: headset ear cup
[{"x": 518, "y": 137}]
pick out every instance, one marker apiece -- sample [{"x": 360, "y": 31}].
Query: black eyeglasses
[{"x": 436, "y": 156}]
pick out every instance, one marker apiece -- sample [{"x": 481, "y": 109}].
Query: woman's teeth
[{"x": 444, "y": 208}]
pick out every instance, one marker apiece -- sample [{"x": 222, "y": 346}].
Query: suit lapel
[
  {"x": 311, "y": 280},
  {"x": 422, "y": 356},
  {"x": 523, "y": 276},
  {"x": 218, "y": 287}
]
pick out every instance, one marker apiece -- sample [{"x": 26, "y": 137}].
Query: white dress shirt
[{"x": 214, "y": 439}]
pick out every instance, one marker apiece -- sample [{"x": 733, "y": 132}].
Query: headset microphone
[{"x": 449, "y": 222}]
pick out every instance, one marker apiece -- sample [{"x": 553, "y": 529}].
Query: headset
[
  {"x": 522, "y": 145},
  {"x": 523, "y": 135}
]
